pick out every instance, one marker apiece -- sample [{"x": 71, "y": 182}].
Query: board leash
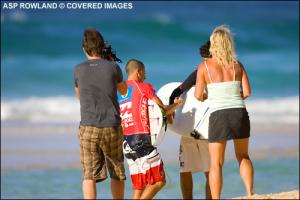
[{"x": 195, "y": 134}]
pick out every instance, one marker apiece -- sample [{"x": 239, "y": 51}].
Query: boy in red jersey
[{"x": 145, "y": 164}]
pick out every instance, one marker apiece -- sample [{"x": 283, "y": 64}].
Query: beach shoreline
[
  {"x": 293, "y": 194},
  {"x": 40, "y": 149},
  {"x": 56, "y": 145}
]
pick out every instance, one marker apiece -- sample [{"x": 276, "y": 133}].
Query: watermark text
[{"x": 67, "y": 5}]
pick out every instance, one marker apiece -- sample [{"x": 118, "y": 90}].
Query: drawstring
[{"x": 166, "y": 123}]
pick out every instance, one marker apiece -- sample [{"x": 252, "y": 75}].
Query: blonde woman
[{"x": 227, "y": 85}]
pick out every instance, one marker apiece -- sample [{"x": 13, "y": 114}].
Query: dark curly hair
[{"x": 92, "y": 42}]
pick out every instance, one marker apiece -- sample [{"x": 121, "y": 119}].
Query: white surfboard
[
  {"x": 156, "y": 123},
  {"x": 192, "y": 118}
]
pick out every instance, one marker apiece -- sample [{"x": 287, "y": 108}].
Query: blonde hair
[{"x": 222, "y": 46}]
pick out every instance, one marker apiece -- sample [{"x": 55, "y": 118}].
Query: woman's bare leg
[
  {"x": 245, "y": 164},
  {"x": 216, "y": 152}
]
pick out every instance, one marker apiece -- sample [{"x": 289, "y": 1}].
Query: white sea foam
[
  {"x": 37, "y": 109},
  {"x": 18, "y": 16},
  {"x": 278, "y": 110},
  {"x": 67, "y": 109},
  {"x": 14, "y": 16},
  {"x": 162, "y": 18}
]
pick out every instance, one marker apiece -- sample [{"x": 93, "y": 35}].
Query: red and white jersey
[{"x": 134, "y": 108}]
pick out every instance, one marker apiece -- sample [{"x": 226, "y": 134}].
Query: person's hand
[
  {"x": 170, "y": 112},
  {"x": 204, "y": 50},
  {"x": 170, "y": 118},
  {"x": 178, "y": 101},
  {"x": 176, "y": 93}
]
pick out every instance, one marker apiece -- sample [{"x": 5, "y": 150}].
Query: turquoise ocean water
[
  {"x": 271, "y": 176},
  {"x": 39, "y": 49}
]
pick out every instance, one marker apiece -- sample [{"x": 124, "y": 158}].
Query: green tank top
[{"x": 224, "y": 95}]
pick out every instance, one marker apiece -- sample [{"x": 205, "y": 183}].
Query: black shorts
[
  {"x": 140, "y": 144},
  {"x": 227, "y": 124}
]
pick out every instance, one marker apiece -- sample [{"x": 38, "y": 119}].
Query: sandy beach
[
  {"x": 294, "y": 194},
  {"x": 56, "y": 145},
  {"x": 40, "y": 149}
]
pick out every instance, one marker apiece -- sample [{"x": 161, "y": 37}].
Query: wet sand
[{"x": 56, "y": 145}]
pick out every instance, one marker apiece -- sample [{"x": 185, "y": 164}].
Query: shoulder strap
[
  {"x": 233, "y": 72},
  {"x": 208, "y": 71}
]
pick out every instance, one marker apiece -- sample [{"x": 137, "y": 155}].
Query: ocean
[
  {"x": 44, "y": 183},
  {"x": 40, "y": 48}
]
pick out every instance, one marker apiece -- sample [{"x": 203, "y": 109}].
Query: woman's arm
[
  {"x": 246, "y": 89},
  {"x": 200, "y": 84}
]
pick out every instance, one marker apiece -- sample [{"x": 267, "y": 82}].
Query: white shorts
[
  {"x": 193, "y": 155},
  {"x": 144, "y": 170}
]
